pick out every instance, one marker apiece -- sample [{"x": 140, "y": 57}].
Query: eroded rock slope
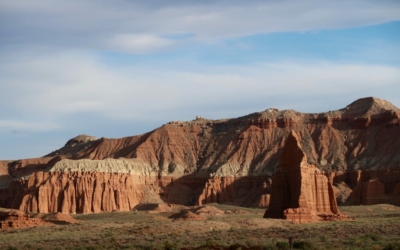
[
  {"x": 200, "y": 161},
  {"x": 364, "y": 135}
]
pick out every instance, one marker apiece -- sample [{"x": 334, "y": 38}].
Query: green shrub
[
  {"x": 282, "y": 245},
  {"x": 373, "y": 237},
  {"x": 91, "y": 248},
  {"x": 270, "y": 247},
  {"x": 392, "y": 246},
  {"x": 169, "y": 245},
  {"x": 355, "y": 241},
  {"x": 305, "y": 245},
  {"x": 213, "y": 243}
]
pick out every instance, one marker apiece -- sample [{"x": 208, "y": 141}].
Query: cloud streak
[
  {"x": 139, "y": 43},
  {"x": 16, "y": 127},
  {"x": 97, "y": 66},
  {"x": 139, "y": 27},
  {"x": 81, "y": 83}
]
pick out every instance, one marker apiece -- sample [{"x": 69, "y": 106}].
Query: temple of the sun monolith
[{"x": 300, "y": 192}]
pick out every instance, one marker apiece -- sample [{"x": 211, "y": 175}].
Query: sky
[{"x": 121, "y": 68}]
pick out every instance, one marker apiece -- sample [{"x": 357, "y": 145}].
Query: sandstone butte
[
  {"x": 300, "y": 192},
  {"x": 227, "y": 161}
]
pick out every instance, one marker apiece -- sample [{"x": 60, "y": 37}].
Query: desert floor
[{"x": 374, "y": 227}]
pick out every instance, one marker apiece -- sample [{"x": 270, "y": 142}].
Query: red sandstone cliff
[
  {"x": 239, "y": 191},
  {"x": 75, "y": 192},
  {"x": 300, "y": 192},
  {"x": 209, "y": 160},
  {"x": 364, "y": 135},
  {"x": 25, "y": 167},
  {"x": 84, "y": 192},
  {"x": 370, "y": 187},
  {"x": 5, "y": 176}
]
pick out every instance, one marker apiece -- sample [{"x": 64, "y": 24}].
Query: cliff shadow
[{"x": 247, "y": 191}]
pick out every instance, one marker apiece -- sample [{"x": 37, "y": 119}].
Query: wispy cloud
[
  {"x": 89, "y": 64},
  {"x": 92, "y": 24},
  {"x": 17, "y": 127},
  {"x": 81, "y": 83},
  {"x": 139, "y": 43}
]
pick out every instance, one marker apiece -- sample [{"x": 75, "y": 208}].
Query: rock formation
[
  {"x": 370, "y": 187},
  {"x": 76, "y": 192},
  {"x": 250, "y": 145},
  {"x": 240, "y": 191},
  {"x": 225, "y": 161},
  {"x": 91, "y": 192},
  {"x": 12, "y": 219},
  {"x": 300, "y": 192},
  {"x": 25, "y": 167},
  {"x": 5, "y": 177}
]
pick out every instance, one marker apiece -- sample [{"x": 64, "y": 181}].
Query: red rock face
[
  {"x": 26, "y": 167},
  {"x": 371, "y": 186},
  {"x": 237, "y": 155},
  {"x": 300, "y": 192},
  {"x": 360, "y": 136},
  {"x": 5, "y": 177},
  {"x": 77, "y": 193},
  {"x": 368, "y": 193},
  {"x": 240, "y": 191}
]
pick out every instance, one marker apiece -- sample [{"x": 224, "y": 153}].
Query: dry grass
[{"x": 374, "y": 227}]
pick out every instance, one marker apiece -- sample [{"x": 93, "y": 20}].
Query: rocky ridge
[
  {"x": 200, "y": 161},
  {"x": 347, "y": 139}
]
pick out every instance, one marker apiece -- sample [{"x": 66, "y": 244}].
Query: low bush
[
  {"x": 169, "y": 245},
  {"x": 392, "y": 246},
  {"x": 213, "y": 243},
  {"x": 305, "y": 245},
  {"x": 282, "y": 245}
]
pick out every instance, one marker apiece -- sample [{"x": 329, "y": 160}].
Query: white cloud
[
  {"x": 68, "y": 84},
  {"x": 141, "y": 26},
  {"x": 50, "y": 75},
  {"x": 139, "y": 43}
]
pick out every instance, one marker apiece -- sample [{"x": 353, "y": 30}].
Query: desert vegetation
[{"x": 373, "y": 227}]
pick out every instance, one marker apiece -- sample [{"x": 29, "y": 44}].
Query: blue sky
[{"x": 126, "y": 67}]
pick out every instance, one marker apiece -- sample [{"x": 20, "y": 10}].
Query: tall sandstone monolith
[{"x": 300, "y": 192}]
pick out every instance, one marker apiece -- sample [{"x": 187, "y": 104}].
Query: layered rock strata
[
  {"x": 76, "y": 192},
  {"x": 71, "y": 191},
  {"x": 300, "y": 192},
  {"x": 229, "y": 160},
  {"x": 25, "y": 167},
  {"x": 363, "y": 135}
]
